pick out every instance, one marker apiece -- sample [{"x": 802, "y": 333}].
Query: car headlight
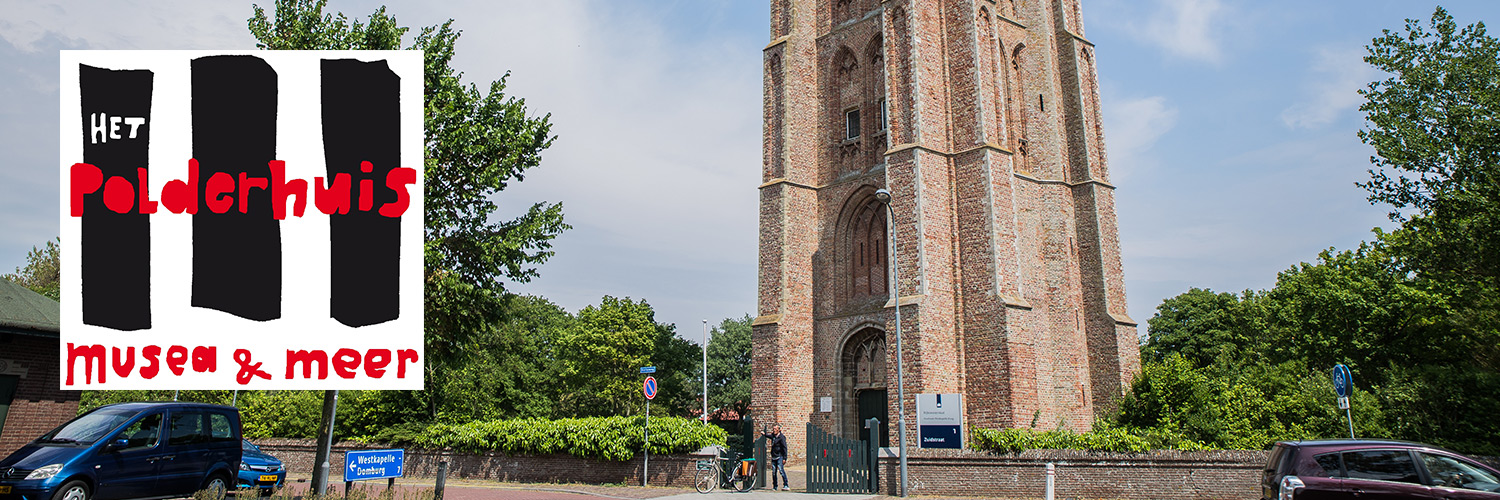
[
  {"x": 1289, "y": 487},
  {"x": 45, "y": 472},
  {"x": 244, "y": 466}
]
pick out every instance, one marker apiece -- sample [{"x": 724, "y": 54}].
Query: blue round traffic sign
[
  {"x": 649, "y": 387},
  {"x": 1343, "y": 382}
]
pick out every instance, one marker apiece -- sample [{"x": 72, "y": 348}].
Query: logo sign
[
  {"x": 373, "y": 464},
  {"x": 241, "y": 219},
  {"x": 649, "y": 387},
  {"x": 940, "y": 419},
  {"x": 1343, "y": 382},
  {"x": 648, "y": 369}
]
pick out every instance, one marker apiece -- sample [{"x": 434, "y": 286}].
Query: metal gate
[{"x": 841, "y": 465}]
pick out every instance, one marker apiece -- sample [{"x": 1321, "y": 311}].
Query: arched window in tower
[
  {"x": 1019, "y": 108},
  {"x": 874, "y": 87},
  {"x": 900, "y": 81},
  {"x": 989, "y": 81},
  {"x": 869, "y": 246},
  {"x": 848, "y": 96},
  {"x": 774, "y": 158}
]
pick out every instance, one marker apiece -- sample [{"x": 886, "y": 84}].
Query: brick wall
[
  {"x": 668, "y": 470},
  {"x": 1161, "y": 475},
  {"x": 39, "y": 405}
]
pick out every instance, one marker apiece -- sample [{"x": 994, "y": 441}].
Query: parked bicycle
[{"x": 736, "y": 473}]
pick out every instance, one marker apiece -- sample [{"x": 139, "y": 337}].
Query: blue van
[{"x": 129, "y": 451}]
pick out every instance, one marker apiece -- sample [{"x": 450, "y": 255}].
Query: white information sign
[{"x": 940, "y": 419}]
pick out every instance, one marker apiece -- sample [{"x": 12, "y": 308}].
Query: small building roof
[{"x": 26, "y": 312}]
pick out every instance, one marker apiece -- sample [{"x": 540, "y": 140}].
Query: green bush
[
  {"x": 1103, "y": 439},
  {"x": 608, "y": 438}
]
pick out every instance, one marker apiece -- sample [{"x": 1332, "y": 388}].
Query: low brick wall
[
  {"x": 668, "y": 470},
  {"x": 1163, "y": 475}
]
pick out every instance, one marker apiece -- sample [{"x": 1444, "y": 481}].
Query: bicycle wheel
[
  {"x": 706, "y": 480},
  {"x": 744, "y": 482}
]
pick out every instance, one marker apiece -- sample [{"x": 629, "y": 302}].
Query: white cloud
[
  {"x": 167, "y": 24},
  {"x": 657, "y": 157},
  {"x": 1331, "y": 89},
  {"x": 1132, "y": 127},
  {"x": 1185, "y": 28}
]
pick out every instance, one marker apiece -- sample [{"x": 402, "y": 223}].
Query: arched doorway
[{"x": 864, "y": 361}]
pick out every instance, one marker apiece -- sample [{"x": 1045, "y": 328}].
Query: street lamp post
[
  {"x": 895, "y": 290},
  {"x": 705, "y": 371}
]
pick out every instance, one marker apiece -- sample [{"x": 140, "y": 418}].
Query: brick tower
[{"x": 981, "y": 117}]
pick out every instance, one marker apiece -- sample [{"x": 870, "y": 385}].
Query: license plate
[
  {"x": 4, "y": 489},
  {"x": 268, "y": 478}
]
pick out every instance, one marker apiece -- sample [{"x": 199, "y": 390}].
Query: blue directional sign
[
  {"x": 648, "y": 369},
  {"x": 649, "y": 387},
  {"x": 373, "y": 464},
  {"x": 1343, "y": 382}
]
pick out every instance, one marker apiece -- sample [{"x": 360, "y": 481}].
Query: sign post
[
  {"x": 373, "y": 464},
  {"x": 940, "y": 421},
  {"x": 649, "y": 388},
  {"x": 1343, "y": 384}
]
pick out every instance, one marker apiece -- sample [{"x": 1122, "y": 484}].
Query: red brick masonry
[
  {"x": 39, "y": 406},
  {"x": 669, "y": 470},
  {"x": 1163, "y": 475},
  {"x": 1166, "y": 475}
]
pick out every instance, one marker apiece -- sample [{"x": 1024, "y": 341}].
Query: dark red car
[{"x": 1374, "y": 470}]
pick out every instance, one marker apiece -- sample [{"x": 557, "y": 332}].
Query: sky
[{"x": 1230, "y": 128}]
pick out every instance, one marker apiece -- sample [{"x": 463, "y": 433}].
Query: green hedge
[
  {"x": 1109, "y": 439},
  {"x": 608, "y": 438}
]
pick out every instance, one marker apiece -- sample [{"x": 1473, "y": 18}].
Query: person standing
[{"x": 777, "y": 443}]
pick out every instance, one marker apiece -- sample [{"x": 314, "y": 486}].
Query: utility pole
[
  {"x": 325, "y": 443},
  {"x": 895, "y": 290},
  {"x": 705, "y": 372}
]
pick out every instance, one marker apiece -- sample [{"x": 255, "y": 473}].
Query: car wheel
[
  {"x": 216, "y": 487},
  {"x": 73, "y": 490}
]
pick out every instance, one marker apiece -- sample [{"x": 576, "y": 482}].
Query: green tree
[
  {"x": 602, "y": 356},
  {"x": 1358, "y": 307},
  {"x": 477, "y": 142},
  {"x": 40, "y": 274},
  {"x": 1205, "y": 327},
  {"x": 729, "y": 366},
  {"x": 1435, "y": 127},
  {"x": 679, "y": 369}
]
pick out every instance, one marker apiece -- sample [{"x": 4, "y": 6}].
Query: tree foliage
[
  {"x": 602, "y": 357},
  {"x": 477, "y": 142},
  {"x": 1435, "y": 127},
  {"x": 1415, "y": 314},
  {"x": 1242, "y": 371},
  {"x": 729, "y": 366},
  {"x": 40, "y": 274},
  {"x": 679, "y": 372}
]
